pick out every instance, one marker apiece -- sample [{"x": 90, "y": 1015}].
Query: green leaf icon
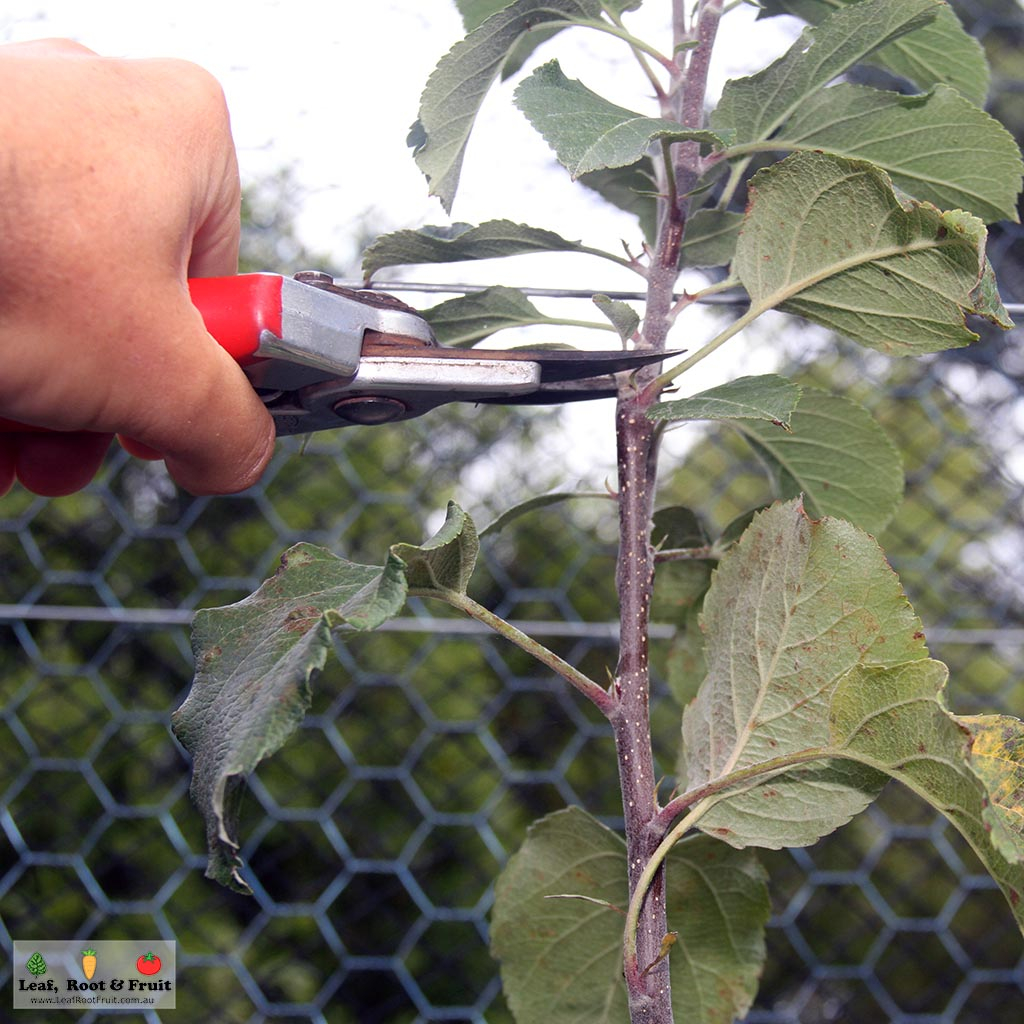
[{"x": 36, "y": 964}]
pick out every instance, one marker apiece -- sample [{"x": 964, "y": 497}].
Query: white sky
[{"x": 330, "y": 89}]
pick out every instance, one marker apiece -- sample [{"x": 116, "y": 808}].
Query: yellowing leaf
[
  {"x": 997, "y": 757},
  {"x": 894, "y": 720}
]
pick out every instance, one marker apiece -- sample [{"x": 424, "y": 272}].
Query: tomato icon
[{"x": 148, "y": 963}]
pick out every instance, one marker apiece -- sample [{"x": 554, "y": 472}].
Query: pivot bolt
[
  {"x": 370, "y": 410},
  {"x": 317, "y": 278}
]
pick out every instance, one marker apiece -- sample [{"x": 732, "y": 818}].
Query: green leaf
[
  {"x": 686, "y": 667},
  {"x": 471, "y": 318},
  {"x": 586, "y": 131},
  {"x": 756, "y": 107},
  {"x": 894, "y": 720},
  {"x": 987, "y": 302},
  {"x": 475, "y": 12},
  {"x": 540, "y": 501},
  {"x": 837, "y": 456},
  {"x": 792, "y": 608},
  {"x": 769, "y": 397},
  {"x": 937, "y": 146},
  {"x": 736, "y": 527},
  {"x": 677, "y": 527},
  {"x": 679, "y": 586},
  {"x": 710, "y": 239},
  {"x": 622, "y": 316},
  {"x": 938, "y": 52},
  {"x": 446, "y": 561},
  {"x": 827, "y": 238},
  {"x": 493, "y": 239},
  {"x": 457, "y": 86},
  {"x": 561, "y": 959},
  {"x": 255, "y": 660}
]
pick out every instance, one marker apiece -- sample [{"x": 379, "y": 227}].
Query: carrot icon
[{"x": 88, "y": 963}]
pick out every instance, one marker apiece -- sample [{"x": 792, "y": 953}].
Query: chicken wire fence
[{"x": 373, "y": 838}]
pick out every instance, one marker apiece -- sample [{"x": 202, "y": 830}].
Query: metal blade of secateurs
[
  {"x": 560, "y": 392},
  {"x": 556, "y": 389},
  {"x": 573, "y": 365},
  {"x": 556, "y": 364}
]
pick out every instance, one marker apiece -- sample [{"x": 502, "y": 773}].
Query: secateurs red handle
[
  {"x": 237, "y": 310},
  {"x": 289, "y": 333}
]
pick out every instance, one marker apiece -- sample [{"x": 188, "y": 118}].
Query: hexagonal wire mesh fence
[{"x": 375, "y": 836}]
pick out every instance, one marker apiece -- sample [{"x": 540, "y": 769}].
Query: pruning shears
[{"x": 321, "y": 355}]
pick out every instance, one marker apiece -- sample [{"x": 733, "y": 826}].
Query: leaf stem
[
  {"x": 688, "y": 298},
  {"x": 736, "y": 778},
  {"x": 647, "y": 876},
  {"x": 704, "y": 351},
  {"x": 736, "y": 172},
  {"x": 591, "y": 690},
  {"x": 619, "y": 32},
  {"x": 630, "y": 264},
  {"x": 659, "y": 90},
  {"x": 702, "y": 553},
  {"x": 590, "y": 324}
]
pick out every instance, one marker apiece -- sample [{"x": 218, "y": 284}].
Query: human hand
[{"x": 119, "y": 182}]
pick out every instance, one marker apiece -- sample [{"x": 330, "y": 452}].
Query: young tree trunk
[
  {"x": 649, "y": 995},
  {"x": 647, "y": 982}
]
